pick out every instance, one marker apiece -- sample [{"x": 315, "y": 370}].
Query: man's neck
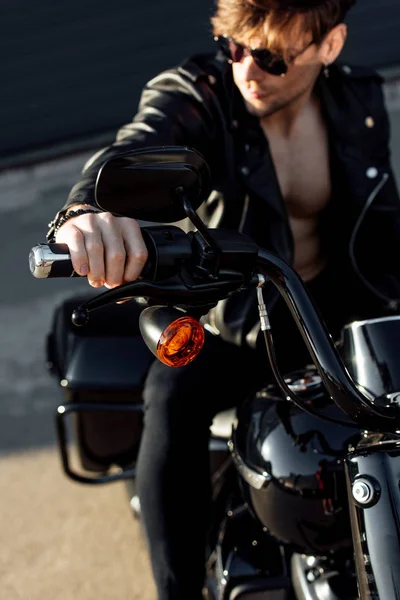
[{"x": 283, "y": 122}]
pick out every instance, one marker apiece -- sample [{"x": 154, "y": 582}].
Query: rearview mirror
[{"x": 143, "y": 183}]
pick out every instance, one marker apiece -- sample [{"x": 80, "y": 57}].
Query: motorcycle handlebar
[
  {"x": 203, "y": 277},
  {"x": 164, "y": 244},
  {"x": 48, "y": 261},
  {"x": 169, "y": 250},
  {"x": 335, "y": 377},
  {"x": 51, "y": 260}
]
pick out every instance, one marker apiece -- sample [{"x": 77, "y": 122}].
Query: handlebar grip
[
  {"x": 168, "y": 247},
  {"x": 54, "y": 260},
  {"x": 51, "y": 260}
]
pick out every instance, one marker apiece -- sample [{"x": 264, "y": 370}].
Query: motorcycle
[{"x": 306, "y": 474}]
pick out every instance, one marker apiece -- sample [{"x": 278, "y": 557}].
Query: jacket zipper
[
  {"x": 244, "y": 213},
  {"x": 355, "y": 232}
]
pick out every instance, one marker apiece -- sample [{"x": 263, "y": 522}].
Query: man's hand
[{"x": 109, "y": 250}]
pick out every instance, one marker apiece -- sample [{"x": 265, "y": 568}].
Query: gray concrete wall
[
  {"x": 72, "y": 71},
  {"x": 75, "y": 69}
]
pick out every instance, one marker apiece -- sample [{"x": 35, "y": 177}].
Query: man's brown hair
[{"x": 277, "y": 21}]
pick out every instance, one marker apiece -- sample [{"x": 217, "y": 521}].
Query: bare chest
[{"x": 303, "y": 170}]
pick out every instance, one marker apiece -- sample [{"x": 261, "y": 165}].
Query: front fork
[{"x": 373, "y": 477}]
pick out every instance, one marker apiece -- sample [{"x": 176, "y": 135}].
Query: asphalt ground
[
  {"x": 62, "y": 541},
  {"x": 58, "y": 539}
]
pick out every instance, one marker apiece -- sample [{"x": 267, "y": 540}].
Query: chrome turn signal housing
[{"x": 172, "y": 335}]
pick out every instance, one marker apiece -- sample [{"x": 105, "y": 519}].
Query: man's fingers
[
  {"x": 76, "y": 244},
  {"x": 109, "y": 250},
  {"x": 136, "y": 250},
  {"x": 95, "y": 252},
  {"x": 115, "y": 255},
  {"x": 83, "y": 237}
]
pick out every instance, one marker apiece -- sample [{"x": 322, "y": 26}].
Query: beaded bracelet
[{"x": 69, "y": 215}]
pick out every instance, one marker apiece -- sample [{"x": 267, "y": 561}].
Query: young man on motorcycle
[{"x": 298, "y": 148}]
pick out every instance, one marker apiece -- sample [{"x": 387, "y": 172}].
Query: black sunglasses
[{"x": 266, "y": 60}]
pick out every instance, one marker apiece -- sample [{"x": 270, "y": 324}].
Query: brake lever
[{"x": 179, "y": 289}]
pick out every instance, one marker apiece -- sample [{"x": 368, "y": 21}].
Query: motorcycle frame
[
  {"x": 67, "y": 409},
  {"x": 375, "y": 522},
  {"x": 373, "y": 468}
]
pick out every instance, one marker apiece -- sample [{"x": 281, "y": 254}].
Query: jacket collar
[
  {"x": 253, "y": 153},
  {"x": 347, "y": 116}
]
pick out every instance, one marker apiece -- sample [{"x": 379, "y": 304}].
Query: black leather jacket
[{"x": 197, "y": 104}]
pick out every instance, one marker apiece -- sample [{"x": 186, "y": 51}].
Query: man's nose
[{"x": 250, "y": 70}]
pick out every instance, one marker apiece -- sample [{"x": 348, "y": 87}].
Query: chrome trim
[
  {"x": 356, "y": 324},
  {"x": 262, "y": 309},
  {"x": 310, "y": 579},
  {"x": 256, "y": 480},
  {"x": 41, "y": 260}
]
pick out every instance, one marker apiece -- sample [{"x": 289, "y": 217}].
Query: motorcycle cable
[{"x": 269, "y": 342}]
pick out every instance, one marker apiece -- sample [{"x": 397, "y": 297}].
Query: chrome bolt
[
  {"x": 372, "y": 173},
  {"x": 312, "y": 575},
  {"x": 363, "y": 491}
]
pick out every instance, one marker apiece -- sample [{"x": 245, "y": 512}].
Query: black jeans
[{"x": 173, "y": 465}]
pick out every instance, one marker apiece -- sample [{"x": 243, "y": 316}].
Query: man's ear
[{"x": 332, "y": 44}]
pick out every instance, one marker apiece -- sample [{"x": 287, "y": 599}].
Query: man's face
[{"x": 265, "y": 94}]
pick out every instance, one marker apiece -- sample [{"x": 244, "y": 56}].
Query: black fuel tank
[
  {"x": 370, "y": 351},
  {"x": 303, "y": 502}
]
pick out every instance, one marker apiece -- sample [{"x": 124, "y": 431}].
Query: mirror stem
[{"x": 198, "y": 223}]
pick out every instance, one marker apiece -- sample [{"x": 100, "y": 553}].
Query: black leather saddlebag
[{"x": 104, "y": 362}]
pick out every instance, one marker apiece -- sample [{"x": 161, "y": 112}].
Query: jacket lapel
[
  {"x": 255, "y": 162},
  {"x": 354, "y": 134}
]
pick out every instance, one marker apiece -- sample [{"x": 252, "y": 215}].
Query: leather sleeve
[{"x": 177, "y": 107}]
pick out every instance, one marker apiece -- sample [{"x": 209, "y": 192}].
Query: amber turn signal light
[{"x": 174, "y": 337}]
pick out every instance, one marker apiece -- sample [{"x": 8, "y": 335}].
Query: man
[{"x": 299, "y": 156}]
